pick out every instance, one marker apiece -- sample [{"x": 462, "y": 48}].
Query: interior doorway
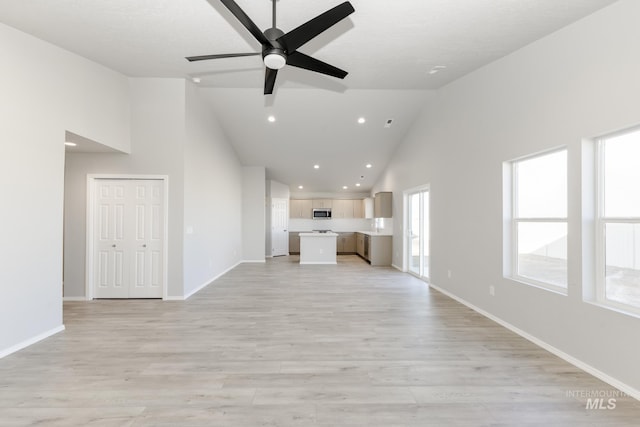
[{"x": 126, "y": 237}]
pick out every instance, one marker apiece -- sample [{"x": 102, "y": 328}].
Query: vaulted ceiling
[{"x": 388, "y": 48}]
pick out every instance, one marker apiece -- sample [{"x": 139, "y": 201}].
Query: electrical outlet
[
  {"x": 492, "y": 290},
  {"x": 449, "y": 274},
  {"x": 321, "y": 251}
]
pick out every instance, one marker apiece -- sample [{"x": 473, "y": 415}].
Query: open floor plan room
[{"x": 281, "y": 344}]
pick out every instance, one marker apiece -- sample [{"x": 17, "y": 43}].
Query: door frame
[
  {"x": 92, "y": 180},
  {"x": 406, "y": 238}
]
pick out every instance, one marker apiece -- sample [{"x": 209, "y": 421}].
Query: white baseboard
[
  {"x": 254, "y": 261},
  {"x": 397, "y": 268},
  {"x": 207, "y": 283},
  {"x": 74, "y": 298},
  {"x": 625, "y": 388},
  {"x": 30, "y": 341}
]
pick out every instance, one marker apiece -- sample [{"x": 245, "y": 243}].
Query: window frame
[
  {"x": 601, "y": 221},
  {"x": 515, "y": 220}
]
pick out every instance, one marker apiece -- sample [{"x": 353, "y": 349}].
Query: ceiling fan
[{"x": 280, "y": 49}]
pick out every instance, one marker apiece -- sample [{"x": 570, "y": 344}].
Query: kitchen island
[{"x": 318, "y": 248}]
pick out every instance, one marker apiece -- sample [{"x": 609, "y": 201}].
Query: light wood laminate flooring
[{"x": 279, "y": 344}]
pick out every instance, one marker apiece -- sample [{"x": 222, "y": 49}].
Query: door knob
[
  {"x": 113, "y": 246},
  {"x": 144, "y": 246}
]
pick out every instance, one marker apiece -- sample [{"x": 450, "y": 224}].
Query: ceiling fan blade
[
  {"x": 301, "y": 60},
  {"x": 223, "y": 55},
  {"x": 246, "y": 21},
  {"x": 305, "y": 32},
  {"x": 269, "y": 80}
]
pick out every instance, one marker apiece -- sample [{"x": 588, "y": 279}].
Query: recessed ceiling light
[
  {"x": 300, "y": 187},
  {"x": 357, "y": 184},
  {"x": 316, "y": 166},
  {"x": 196, "y": 80},
  {"x": 362, "y": 120},
  {"x": 271, "y": 119},
  {"x": 345, "y": 187},
  {"x": 369, "y": 166},
  {"x": 70, "y": 144}
]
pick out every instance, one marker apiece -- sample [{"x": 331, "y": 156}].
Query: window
[
  {"x": 538, "y": 209},
  {"x": 618, "y": 220}
]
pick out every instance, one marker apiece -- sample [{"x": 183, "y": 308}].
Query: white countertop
[
  {"x": 336, "y": 233},
  {"x": 313, "y": 234},
  {"x": 375, "y": 233}
]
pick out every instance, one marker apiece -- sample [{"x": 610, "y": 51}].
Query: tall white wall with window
[{"x": 580, "y": 82}]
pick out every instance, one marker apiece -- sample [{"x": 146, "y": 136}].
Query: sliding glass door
[{"x": 417, "y": 235}]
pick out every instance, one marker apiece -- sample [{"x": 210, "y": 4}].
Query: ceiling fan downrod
[{"x": 273, "y": 13}]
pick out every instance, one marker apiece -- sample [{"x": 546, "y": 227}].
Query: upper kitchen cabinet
[
  {"x": 358, "y": 208},
  {"x": 322, "y": 203},
  {"x": 368, "y": 208},
  {"x": 382, "y": 205},
  {"x": 300, "y": 209},
  {"x": 343, "y": 209}
]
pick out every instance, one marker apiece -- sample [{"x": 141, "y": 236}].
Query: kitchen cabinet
[
  {"x": 346, "y": 243},
  {"x": 322, "y": 203},
  {"x": 360, "y": 244},
  {"x": 342, "y": 209},
  {"x": 300, "y": 209},
  {"x": 358, "y": 208},
  {"x": 294, "y": 242},
  {"x": 379, "y": 248},
  {"x": 382, "y": 205},
  {"x": 368, "y": 208}
]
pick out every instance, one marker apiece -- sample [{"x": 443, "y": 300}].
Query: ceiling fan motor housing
[{"x": 274, "y": 56}]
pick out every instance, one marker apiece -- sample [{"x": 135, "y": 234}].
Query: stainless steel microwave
[{"x": 322, "y": 213}]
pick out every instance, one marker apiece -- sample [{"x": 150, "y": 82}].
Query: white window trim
[
  {"x": 512, "y": 250},
  {"x": 600, "y": 240}
]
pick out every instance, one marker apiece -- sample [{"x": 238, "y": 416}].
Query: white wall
[
  {"x": 212, "y": 197},
  {"x": 253, "y": 213},
  {"x": 173, "y": 134},
  {"x": 157, "y": 148},
  {"x": 579, "y": 82},
  {"x": 45, "y": 91}
]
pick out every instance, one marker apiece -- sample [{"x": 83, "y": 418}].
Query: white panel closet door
[
  {"x": 128, "y": 229},
  {"x": 279, "y": 227}
]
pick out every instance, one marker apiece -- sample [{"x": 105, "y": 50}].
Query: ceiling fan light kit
[{"x": 280, "y": 49}]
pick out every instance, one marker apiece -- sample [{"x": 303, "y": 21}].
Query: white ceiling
[{"x": 388, "y": 47}]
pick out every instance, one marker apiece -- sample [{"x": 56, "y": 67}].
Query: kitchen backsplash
[{"x": 356, "y": 224}]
